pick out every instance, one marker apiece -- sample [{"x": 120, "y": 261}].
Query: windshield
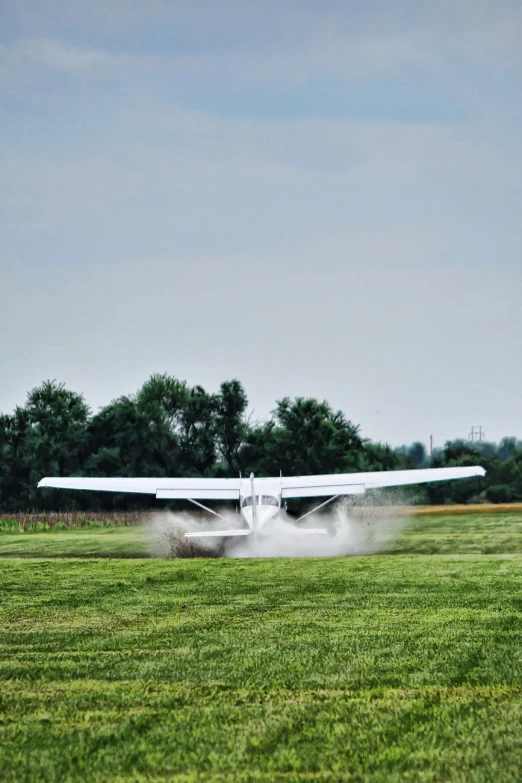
[
  {"x": 261, "y": 500},
  {"x": 268, "y": 500}
]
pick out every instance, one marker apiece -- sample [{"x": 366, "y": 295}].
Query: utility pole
[
  {"x": 431, "y": 449},
  {"x": 476, "y": 434}
]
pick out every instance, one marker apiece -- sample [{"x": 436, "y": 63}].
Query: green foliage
[
  {"x": 304, "y": 437},
  {"x": 499, "y": 493},
  {"x": 230, "y": 425},
  {"x": 415, "y": 455},
  {"x": 380, "y": 456},
  {"x": 171, "y": 429},
  {"x": 197, "y": 437},
  {"x": 503, "y": 464},
  {"x": 47, "y": 436},
  {"x": 507, "y": 448}
]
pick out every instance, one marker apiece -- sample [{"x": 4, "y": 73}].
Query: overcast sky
[{"x": 319, "y": 197}]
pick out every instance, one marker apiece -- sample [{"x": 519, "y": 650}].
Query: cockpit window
[
  {"x": 261, "y": 500},
  {"x": 268, "y": 500}
]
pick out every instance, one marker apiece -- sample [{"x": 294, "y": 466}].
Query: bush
[{"x": 499, "y": 493}]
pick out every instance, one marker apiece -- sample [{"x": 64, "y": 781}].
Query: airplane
[{"x": 260, "y": 499}]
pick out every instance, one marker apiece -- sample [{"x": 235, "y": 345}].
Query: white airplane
[{"x": 260, "y": 499}]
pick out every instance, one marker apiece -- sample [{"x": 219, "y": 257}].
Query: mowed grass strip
[
  {"x": 141, "y": 732},
  {"x": 366, "y": 668},
  {"x": 479, "y": 533},
  {"x": 83, "y": 542},
  {"x": 460, "y": 534}
]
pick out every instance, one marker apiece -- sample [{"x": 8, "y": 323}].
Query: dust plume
[{"x": 351, "y": 530}]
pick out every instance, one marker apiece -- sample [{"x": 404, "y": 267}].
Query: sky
[{"x": 320, "y": 198}]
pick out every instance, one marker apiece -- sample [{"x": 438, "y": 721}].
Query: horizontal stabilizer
[{"x": 218, "y": 533}]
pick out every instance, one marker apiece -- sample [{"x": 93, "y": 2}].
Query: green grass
[
  {"x": 469, "y": 534},
  {"x": 483, "y": 534},
  {"x": 384, "y": 668},
  {"x": 83, "y": 542}
]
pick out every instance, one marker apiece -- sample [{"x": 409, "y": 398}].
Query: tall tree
[
  {"x": 14, "y": 481},
  {"x": 230, "y": 425},
  {"x": 198, "y": 449},
  {"x": 507, "y": 447},
  {"x": 305, "y": 437},
  {"x": 417, "y": 454},
  {"x": 47, "y": 437},
  {"x": 381, "y": 456},
  {"x": 124, "y": 442},
  {"x": 457, "y": 454}
]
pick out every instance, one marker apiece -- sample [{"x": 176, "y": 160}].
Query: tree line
[{"x": 169, "y": 428}]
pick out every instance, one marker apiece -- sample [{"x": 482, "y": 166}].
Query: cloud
[
  {"x": 476, "y": 28},
  {"x": 321, "y": 199},
  {"x": 269, "y": 42},
  {"x": 56, "y": 54},
  {"x": 160, "y": 159}
]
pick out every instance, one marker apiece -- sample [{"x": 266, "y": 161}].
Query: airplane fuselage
[
  {"x": 260, "y": 504},
  {"x": 257, "y": 515}
]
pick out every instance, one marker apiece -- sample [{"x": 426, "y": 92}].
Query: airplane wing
[
  {"x": 358, "y": 483},
  {"x": 162, "y": 488},
  {"x": 290, "y": 487}
]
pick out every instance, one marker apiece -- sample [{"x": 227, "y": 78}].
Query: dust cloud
[{"x": 351, "y": 530}]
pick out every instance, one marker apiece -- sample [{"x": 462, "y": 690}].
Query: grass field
[{"x": 405, "y": 666}]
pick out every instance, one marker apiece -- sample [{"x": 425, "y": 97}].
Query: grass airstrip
[{"x": 403, "y": 666}]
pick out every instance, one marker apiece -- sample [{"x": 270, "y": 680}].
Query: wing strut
[
  {"x": 318, "y": 507},
  {"x": 254, "y": 511},
  {"x": 205, "y": 508}
]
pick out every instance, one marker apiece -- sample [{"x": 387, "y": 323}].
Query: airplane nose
[
  {"x": 247, "y": 513},
  {"x": 264, "y": 513}
]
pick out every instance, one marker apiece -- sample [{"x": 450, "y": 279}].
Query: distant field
[
  {"x": 68, "y": 520},
  {"x": 79, "y": 519},
  {"x": 478, "y": 508},
  {"x": 397, "y": 667}
]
